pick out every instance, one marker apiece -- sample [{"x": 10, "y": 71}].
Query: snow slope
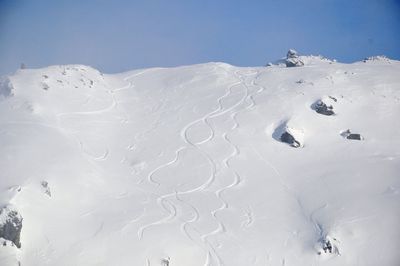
[{"x": 185, "y": 166}]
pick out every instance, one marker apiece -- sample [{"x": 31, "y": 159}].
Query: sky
[{"x": 118, "y": 35}]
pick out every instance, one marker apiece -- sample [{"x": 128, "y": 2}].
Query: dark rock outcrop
[
  {"x": 329, "y": 246},
  {"x": 289, "y": 133},
  {"x": 10, "y": 225},
  {"x": 352, "y": 136},
  {"x": 289, "y": 139},
  {"x": 322, "y": 108}
]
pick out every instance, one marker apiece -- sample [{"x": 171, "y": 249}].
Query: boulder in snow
[
  {"x": 289, "y": 139},
  {"x": 294, "y": 62},
  {"x": 289, "y": 135},
  {"x": 292, "y": 59},
  {"x": 322, "y": 108},
  {"x": 353, "y": 136},
  {"x": 291, "y": 54}
]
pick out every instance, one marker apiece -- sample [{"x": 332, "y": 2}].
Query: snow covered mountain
[{"x": 208, "y": 164}]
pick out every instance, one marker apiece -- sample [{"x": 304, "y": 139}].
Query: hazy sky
[{"x": 118, "y": 35}]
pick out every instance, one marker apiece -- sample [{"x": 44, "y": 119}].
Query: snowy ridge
[{"x": 203, "y": 165}]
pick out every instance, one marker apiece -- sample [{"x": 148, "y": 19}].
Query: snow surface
[{"x": 184, "y": 166}]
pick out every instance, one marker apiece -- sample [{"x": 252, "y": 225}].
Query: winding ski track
[
  {"x": 170, "y": 210},
  {"x": 244, "y": 101}
]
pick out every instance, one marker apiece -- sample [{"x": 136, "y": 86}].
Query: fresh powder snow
[{"x": 296, "y": 163}]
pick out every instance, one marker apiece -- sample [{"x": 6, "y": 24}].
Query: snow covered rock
[
  {"x": 293, "y": 60},
  {"x": 322, "y": 108},
  {"x": 329, "y": 246},
  {"x": 378, "y": 58},
  {"x": 46, "y": 188},
  {"x": 352, "y": 136},
  {"x": 292, "y": 54},
  {"x": 292, "y": 136},
  {"x": 289, "y": 139},
  {"x": 10, "y": 225}
]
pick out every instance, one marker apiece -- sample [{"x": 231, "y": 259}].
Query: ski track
[
  {"x": 163, "y": 201},
  {"x": 180, "y": 209},
  {"x": 111, "y": 92},
  {"x": 151, "y": 174},
  {"x": 212, "y": 256},
  {"x": 236, "y": 151},
  {"x": 195, "y": 218},
  {"x": 102, "y": 157},
  {"x": 134, "y": 220},
  {"x": 237, "y": 179},
  {"x": 113, "y": 105}
]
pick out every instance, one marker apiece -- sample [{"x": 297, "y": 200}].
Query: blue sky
[{"x": 118, "y": 35}]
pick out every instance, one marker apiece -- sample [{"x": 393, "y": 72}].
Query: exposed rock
[
  {"x": 381, "y": 58},
  {"x": 329, "y": 245},
  {"x": 10, "y": 225},
  {"x": 291, "y": 54},
  {"x": 333, "y": 98},
  {"x": 304, "y": 82},
  {"x": 46, "y": 188},
  {"x": 353, "y": 136},
  {"x": 294, "y": 62},
  {"x": 289, "y": 135},
  {"x": 45, "y": 86},
  {"x": 292, "y": 59},
  {"x": 322, "y": 108},
  {"x": 289, "y": 139}
]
